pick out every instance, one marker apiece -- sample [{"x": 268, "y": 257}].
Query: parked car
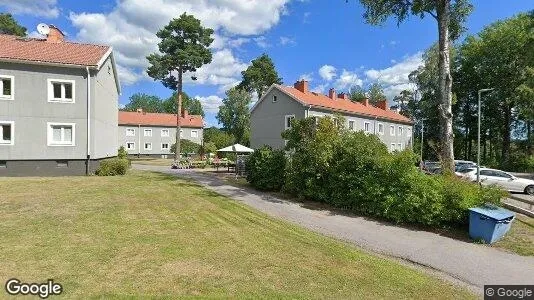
[{"x": 499, "y": 178}]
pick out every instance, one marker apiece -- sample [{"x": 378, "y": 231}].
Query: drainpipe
[
  {"x": 87, "y": 165},
  {"x": 139, "y": 140}
]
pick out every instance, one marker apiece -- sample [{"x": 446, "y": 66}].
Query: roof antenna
[{"x": 43, "y": 29}]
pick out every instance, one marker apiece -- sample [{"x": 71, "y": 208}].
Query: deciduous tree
[
  {"x": 234, "y": 114},
  {"x": 259, "y": 76}
]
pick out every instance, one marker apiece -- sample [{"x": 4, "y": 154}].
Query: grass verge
[{"x": 148, "y": 235}]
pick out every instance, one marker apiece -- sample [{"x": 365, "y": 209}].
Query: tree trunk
[
  {"x": 178, "y": 115},
  {"x": 505, "y": 151},
  {"x": 446, "y": 151}
]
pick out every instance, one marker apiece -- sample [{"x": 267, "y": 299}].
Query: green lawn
[
  {"x": 147, "y": 235},
  {"x": 520, "y": 238}
]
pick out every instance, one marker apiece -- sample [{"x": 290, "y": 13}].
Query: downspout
[
  {"x": 87, "y": 165},
  {"x": 139, "y": 140}
]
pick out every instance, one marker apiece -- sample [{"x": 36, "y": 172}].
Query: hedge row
[{"x": 354, "y": 171}]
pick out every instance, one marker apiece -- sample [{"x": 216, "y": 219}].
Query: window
[
  {"x": 181, "y": 133},
  {"x": 194, "y": 133},
  {"x": 275, "y": 98},
  {"x": 501, "y": 174},
  {"x": 399, "y": 146},
  {"x": 148, "y": 146},
  {"x": 130, "y": 146},
  {"x": 351, "y": 125},
  {"x": 486, "y": 172},
  {"x": 61, "y": 90},
  {"x": 392, "y": 147},
  {"x": 400, "y": 130},
  {"x": 61, "y": 134},
  {"x": 366, "y": 127},
  {"x": 380, "y": 128},
  {"x": 164, "y": 146},
  {"x": 288, "y": 120},
  {"x": 147, "y": 132},
  {"x": 408, "y": 132},
  {"x": 392, "y": 130},
  {"x": 6, "y": 87},
  {"x": 3, "y": 164},
  {"x": 165, "y": 132},
  {"x": 7, "y": 129},
  {"x": 130, "y": 132},
  {"x": 62, "y": 163}
]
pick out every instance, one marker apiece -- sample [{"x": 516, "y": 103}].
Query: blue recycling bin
[{"x": 489, "y": 223}]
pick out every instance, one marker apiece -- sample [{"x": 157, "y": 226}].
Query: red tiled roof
[
  {"x": 157, "y": 119},
  {"x": 39, "y": 50},
  {"x": 343, "y": 105}
]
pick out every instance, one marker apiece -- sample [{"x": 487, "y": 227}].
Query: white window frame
[
  {"x": 12, "y": 141},
  {"x": 196, "y": 133},
  {"x": 399, "y": 147},
  {"x": 381, "y": 132},
  {"x": 12, "y": 96},
  {"x": 401, "y": 129},
  {"x": 62, "y": 99},
  {"x": 50, "y": 135},
  {"x": 168, "y": 146},
  {"x": 130, "y": 129},
  {"x": 368, "y": 125},
  {"x": 393, "y": 147},
  {"x": 133, "y": 143},
  {"x": 285, "y": 121},
  {"x": 351, "y": 122},
  {"x": 145, "y": 148},
  {"x": 145, "y": 131},
  {"x": 167, "y": 131},
  {"x": 392, "y": 130},
  {"x": 275, "y": 98}
]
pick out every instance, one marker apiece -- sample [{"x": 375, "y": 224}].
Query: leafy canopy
[
  {"x": 260, "y": 75},
  {"x": 154, "y": 104},
  {"x": 234, "y": 114},
  {"x": 184, "y": 47},
  {"x": 8, "y": 25}
]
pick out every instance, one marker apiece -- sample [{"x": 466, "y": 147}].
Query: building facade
[
  {"x": 273, "y": 113},
  {"x": 153, "y": 134},
  {"x": 58, "y": 106}
]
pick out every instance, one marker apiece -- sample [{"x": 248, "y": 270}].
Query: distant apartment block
[
  {"x": 58, "y": 105},
  {"x": 273, "y": 113},
  {"x": 153, "y": 134}
]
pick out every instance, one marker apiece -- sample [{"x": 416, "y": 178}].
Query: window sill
[
  {"x": 61, "y": 145},
  {"x": 61, "y": 101},
  {"x": 7, "y": 144},
  {"x": 7, "y": 98}
]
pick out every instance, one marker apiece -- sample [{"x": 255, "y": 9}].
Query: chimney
[
  {"x": 332, "y": 94},
  {"x": 382, "y": 104},
  {"x": 55, "y": 35},
  {"x": 140, "y": 110},
  {"x": 301, "y": 85},
  {"x": 343, "y": 96},
  {"x": 365, "y": 101}
]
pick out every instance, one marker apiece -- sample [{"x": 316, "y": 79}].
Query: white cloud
[
  {"x": 308, "y": 77},
  {"x": 261, "y": 41},
  {"x": 131, "y": 26},
  {"x": 347, "y": 79},
  {"x": 284, "y": 40},
  {"x": 210, "y": 103},
  {"x": 41, "y": 8},
  {"x": 321, "y": 88},
  {"x": 327, "y": 72},
  {"x": 224, "y": 69},
  {"x": 398, "y": 73}
]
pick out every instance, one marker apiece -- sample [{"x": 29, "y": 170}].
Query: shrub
[
  {"x": 355, "y": 171},
  {"x": 266, "y": 169},
  {"x": 186, "y": 146},
  {"x": 122, "y": 153},
  {"x": 113, "y": 167}
]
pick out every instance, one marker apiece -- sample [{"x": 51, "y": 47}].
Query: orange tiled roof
[
  {"x": 157, "y": 119},
  {"x": 344, "y": 105},
  {"x": 39, "y": 50}
]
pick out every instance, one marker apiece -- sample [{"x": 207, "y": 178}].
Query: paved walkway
[{"x": 475, "y": 265}]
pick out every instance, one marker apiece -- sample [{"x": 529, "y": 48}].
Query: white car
[{"x": 499, "y": 178}]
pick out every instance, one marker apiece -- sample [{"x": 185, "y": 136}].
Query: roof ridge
[{"x": 16, "y": 37}]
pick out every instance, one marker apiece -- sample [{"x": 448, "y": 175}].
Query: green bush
[
  {"x": 122, "y": 153},
  {"x": 266, "y": 169},
  {"x": 355, "y": 171},
  {"x": 113, "y": 167}
]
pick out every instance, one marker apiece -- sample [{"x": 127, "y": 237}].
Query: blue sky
[{"x": 326, "y": 42}]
